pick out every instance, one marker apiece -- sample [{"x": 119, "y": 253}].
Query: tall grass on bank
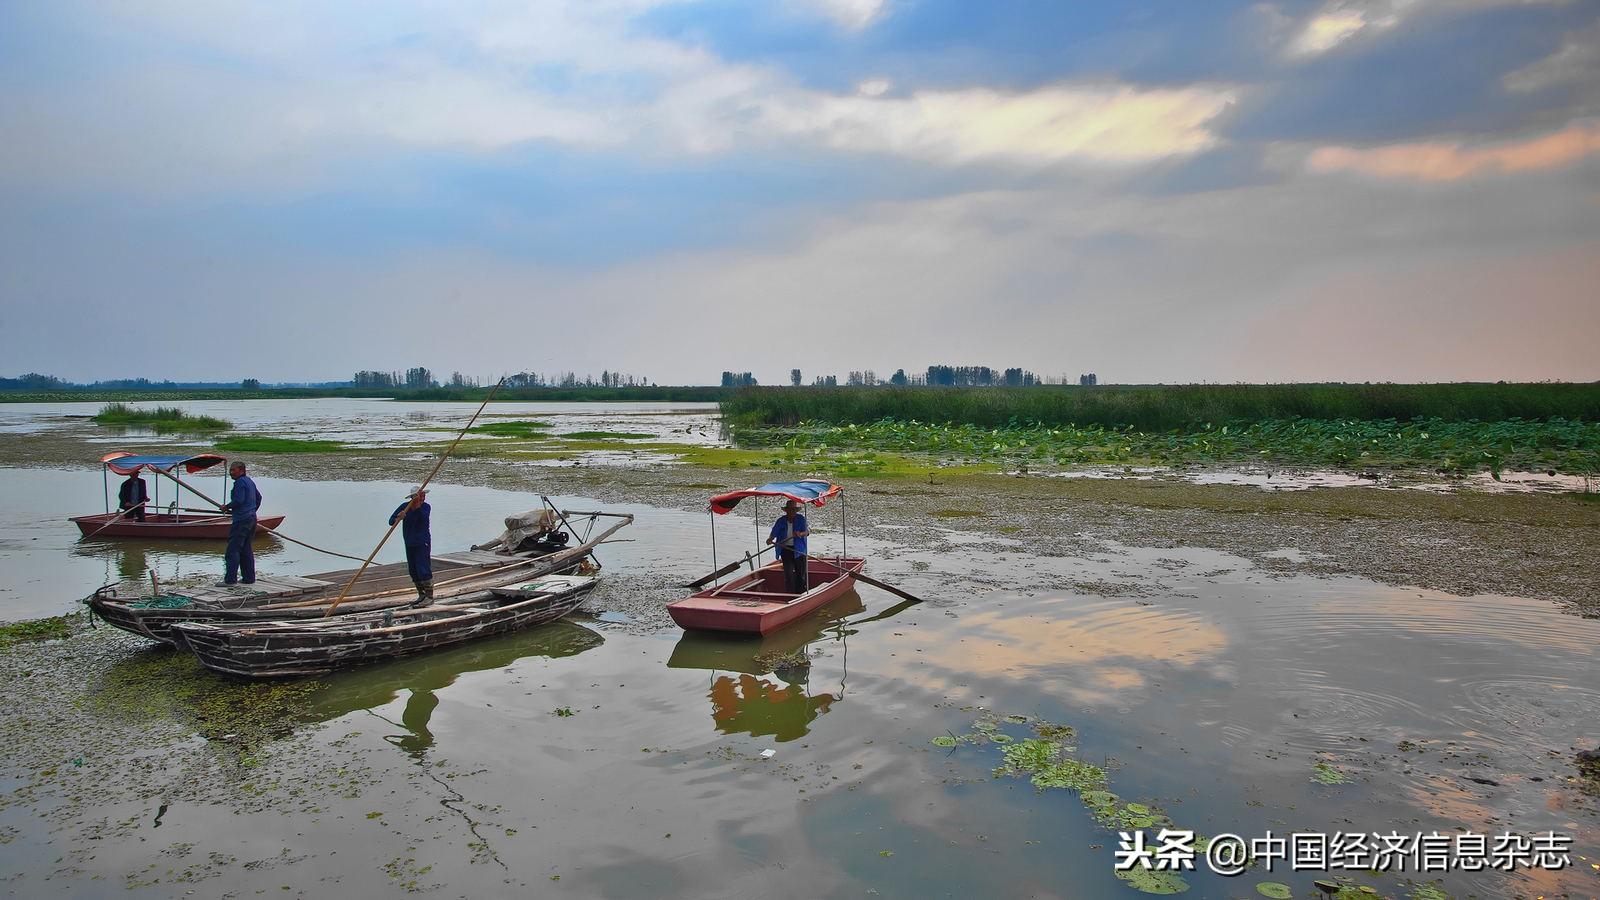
[
  {"x": 162, "y": 419},
  {"x": 1164, "y": 407}
]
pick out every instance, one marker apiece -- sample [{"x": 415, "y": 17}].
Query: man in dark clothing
[
  {"x": 419, "y": 541},
  {"x": 242, "y": 503},
  {"x": 133, "y": 496},
  {"x": 789, "y": 533}
]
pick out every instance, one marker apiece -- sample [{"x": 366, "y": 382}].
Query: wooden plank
[
  {"x": 300, "y": 581},
  {"x": 475, "y": 558}
]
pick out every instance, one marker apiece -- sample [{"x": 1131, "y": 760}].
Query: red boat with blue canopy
[
  {"x": 758, "y": 601},
  {"x": 174, "y": 521}
]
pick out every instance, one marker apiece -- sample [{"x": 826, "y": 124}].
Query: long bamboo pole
[{"x": 392, "y": 525}]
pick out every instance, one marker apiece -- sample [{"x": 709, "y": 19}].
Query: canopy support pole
[
  {"x": 758, "y": 530},
  {"x": 105, "y": 484},
  {"x": 844, "y": 534},
  {"x": 714, "y": 539}
]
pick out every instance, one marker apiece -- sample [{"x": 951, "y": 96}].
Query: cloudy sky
[{"x": 1154, "y": 191}]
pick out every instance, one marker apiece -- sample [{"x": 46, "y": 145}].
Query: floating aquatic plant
[
  {"x": 1151, "y": 881},
  {"x": 1276, "y": 890},
  {"x": 1324, "y": 773}
]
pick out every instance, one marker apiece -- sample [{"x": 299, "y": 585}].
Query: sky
[{"x": 1345, "y": 190}]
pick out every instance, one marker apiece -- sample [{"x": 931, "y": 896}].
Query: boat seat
[{"x": 768, "y": 596}]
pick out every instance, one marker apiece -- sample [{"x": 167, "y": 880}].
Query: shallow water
[
  {"x": 377, "y": 423},
  {"x": 1207, "y": 687}
]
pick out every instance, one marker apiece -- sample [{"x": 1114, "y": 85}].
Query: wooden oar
[
  {"x": 860, "y": 577},
  {"x": 398, "y": 519},
  {"x": 118, "y": 517},
  {"x": 707, "y": 579}
]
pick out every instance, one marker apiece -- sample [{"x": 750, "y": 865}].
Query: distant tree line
[
  {"x": 741, "y": 379},
  {"x": 935, "y": 376}
]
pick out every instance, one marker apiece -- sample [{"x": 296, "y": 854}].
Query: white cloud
[
  {"x": 1338, "y": 21},
  {"x": 874, "y": 87},
  {"x": 1341, "y": 20},
  {"x": 853, "y": 15},
  {"x": 1093, "y": 123},
  {"x": 300, "y": 91}
]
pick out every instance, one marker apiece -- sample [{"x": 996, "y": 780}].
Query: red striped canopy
[{"x": 813, "y": 491}]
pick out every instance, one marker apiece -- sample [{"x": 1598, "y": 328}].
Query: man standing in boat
[
  {"x": 789, "y": 533},
  {"x": 419, "y": 541},
  {"x": 133, "y": 496},
  {"x": 243, "y": 504}
]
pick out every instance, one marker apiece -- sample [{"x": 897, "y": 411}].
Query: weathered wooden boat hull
[
  {"x": 164, "y": 526},
  {"x": 755, "y": 603},
  {"x": 288, "y": 650},
  {"x": 291, "y": 598},
  {"x": 156, "y": 623}
]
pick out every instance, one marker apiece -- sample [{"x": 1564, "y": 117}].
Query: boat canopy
[
  {"x": 124, "y": 463},
  {"x": 812, "y": 491}
]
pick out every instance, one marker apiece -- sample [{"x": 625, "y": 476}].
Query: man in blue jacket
[
  {"x": 419, "y": 541},
  {"x": 789, "y": 533},
  {"x": 243, "y": 504}
]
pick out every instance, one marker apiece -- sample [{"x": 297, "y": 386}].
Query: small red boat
[
  {"x": 174, "y": 522},
  {"x": 157, "y": 526},
  {"x": 757, "y": 602}
]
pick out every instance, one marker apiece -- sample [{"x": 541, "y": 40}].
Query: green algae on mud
[
  {"x": 48, "y": 629},
  {"x": 247, "y": 444},
  {"x": 519, "y": 428},
  {"x": 158, "y": 684},
  {"x": 605, "y": 435}
]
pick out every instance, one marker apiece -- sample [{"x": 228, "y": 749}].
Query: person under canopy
[
  {"x": 789, "y": 533},
  {"x": 133, "y": 496}
]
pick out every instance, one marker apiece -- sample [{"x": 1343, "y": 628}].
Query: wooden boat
[
  {"x": 288, "y": 597},
  {"x": 160, "y": 526},
  {"x": 284, "y": 649},
  {"x": 173, "y": 522},
  {"x": 757, "y": 601}
]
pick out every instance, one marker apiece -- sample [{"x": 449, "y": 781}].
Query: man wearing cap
[
  {"x": 242, "y": 503},
  {"x": 789, "y": 533},
  {"x": 419, "y": 541}
]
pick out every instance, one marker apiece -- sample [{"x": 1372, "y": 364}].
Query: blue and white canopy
[
  {"x": 813, "y": 491},
  {"x": 124, "y": 463}
]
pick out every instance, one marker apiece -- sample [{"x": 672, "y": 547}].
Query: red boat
[
  {"x": 157, "y": 526},
  {"x": 757, "y": 602},
  {"x": 174, "y": 522}
]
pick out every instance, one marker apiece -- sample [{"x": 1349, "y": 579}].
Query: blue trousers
[
  {"x": 241, "y": 557},
  {"x": 419, "y": 561}
]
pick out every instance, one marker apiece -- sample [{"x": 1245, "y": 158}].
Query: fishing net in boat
[{"x": 164, "y": 601}]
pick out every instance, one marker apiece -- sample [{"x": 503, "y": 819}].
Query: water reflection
[
  {"x": 746, "y": 700},
  {"x": 421, "y": 676},
  {"x": 133, "y": 559}
]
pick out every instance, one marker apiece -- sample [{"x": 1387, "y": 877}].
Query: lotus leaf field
[{"x": 1436, "y": 445}]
